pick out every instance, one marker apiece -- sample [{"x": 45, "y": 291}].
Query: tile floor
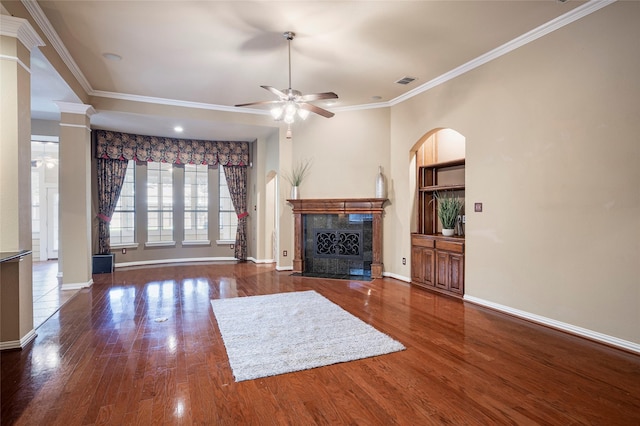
[{"x": 47, "y": 296}]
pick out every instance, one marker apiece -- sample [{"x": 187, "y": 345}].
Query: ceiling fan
[{"x": 292, "y": 102}]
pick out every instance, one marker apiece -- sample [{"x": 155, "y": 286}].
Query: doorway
[
  {"x": 47, "y": 296},
  {"x": 44, "y": 198}
]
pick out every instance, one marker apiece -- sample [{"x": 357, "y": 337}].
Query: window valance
[{"x": 126, "y": 146}]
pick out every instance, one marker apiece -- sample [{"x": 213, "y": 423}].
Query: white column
[{"x": 75, "y": 195}]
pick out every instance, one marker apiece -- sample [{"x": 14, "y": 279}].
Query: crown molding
[
  {"x": 557, "y": 23},
  {"x": 43, "y": 22},
  {"x": 174, "y": 102},
  {"x": 21, "y": 29},
  {"x": 579, "y": 12}
]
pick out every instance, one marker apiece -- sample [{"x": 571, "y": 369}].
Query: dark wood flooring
[{"x": 108, "y": 356}]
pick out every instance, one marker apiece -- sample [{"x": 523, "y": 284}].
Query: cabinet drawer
[
  {"x": 422, "y": 242},
  {"x": 450, "y": 246}
]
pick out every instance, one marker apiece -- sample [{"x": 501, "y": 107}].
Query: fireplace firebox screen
[
  {"x": 338, "y": 246},
  {"x": 338, "y": 243}
]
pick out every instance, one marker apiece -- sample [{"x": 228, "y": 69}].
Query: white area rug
[{"x": 285, "y": 332}]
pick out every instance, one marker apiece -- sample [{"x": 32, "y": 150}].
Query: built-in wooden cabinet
[
  {"x": 437, "y": 262},
  {"x": 440, "y": 177}
]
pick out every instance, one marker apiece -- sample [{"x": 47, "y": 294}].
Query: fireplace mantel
[{"x": 374, "y": 206}]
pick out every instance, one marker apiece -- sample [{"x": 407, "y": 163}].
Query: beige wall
[
  {"x": 345, "y": 151},
  {"x": 45, "y": 127},
  {"x": 552, "y": 151},
  {"x": 264, "y": 203}
]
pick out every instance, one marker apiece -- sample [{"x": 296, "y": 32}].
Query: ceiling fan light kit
[{"x": 293, "y": 103}]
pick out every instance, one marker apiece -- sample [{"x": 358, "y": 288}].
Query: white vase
[
  {"x": 294, "y": 193},
  {"x": 447, "y": 232},
  {"x": 381, "y": 187}
]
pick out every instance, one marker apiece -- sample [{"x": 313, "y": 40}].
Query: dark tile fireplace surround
[{"x": 338, "y": 238}]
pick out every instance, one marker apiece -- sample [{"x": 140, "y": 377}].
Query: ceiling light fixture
[
  {"x": 292, "y": 103},
  {"x": 178, "y": 129}
]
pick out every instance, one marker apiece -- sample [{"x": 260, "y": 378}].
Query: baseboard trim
[
  {"x": 558, "y": 325},
  {"x": 185, "y": 260},
  {"x": 19, "y": 344},
  {"x": 76, "y": 286},
  {"x": 254, "y": 260},
  {"x": 396, "y": 276},
  {"x": 284, "y": 268}
]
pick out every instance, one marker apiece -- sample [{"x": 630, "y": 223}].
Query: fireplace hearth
[{"x": 338, "y": 238}]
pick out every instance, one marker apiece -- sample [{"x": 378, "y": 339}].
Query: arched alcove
[
  {"x": 437, "y": 255},
  {"x": 439, "y": 145}
]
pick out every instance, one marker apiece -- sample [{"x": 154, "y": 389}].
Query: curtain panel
[
  {"x": 127, "y": 146},
  {"x": 110, "y": 180},
  {"x": 237, "y": 183}
]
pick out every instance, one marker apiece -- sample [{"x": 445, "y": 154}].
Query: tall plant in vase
[
  {"x": 449, "y": 207},
  {"x": 296, "y": 175}
]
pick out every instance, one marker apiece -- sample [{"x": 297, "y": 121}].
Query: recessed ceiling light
[
  {"x": 330, "y": 102},
  {"x": 178, "y": 129},
  {"x": 112, "y": 56},
  {"x": 376, "y": 98}
]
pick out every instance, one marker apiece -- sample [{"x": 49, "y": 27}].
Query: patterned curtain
[
  {"x": 127, "y": 146},
  {"x": 110, "y": 179},
  {"x": 237, "y": 183}
]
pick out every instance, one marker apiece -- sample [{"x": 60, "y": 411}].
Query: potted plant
[
  {"x": 449, "y": 207},
  {"x": 296, "y": 175}
]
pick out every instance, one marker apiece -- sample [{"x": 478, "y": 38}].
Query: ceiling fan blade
[
  {"x": 318, "y": 96},
  {"x": 317, "y": 110},
  {"x": 259, "y": 103},
  {"x": 275, "y": 91}
]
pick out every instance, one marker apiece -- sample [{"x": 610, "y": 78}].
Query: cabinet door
[
  {"x": 442, "y": 269},
  {"x": 417, "y": 274},
  {"x": 456, "y": 279},
  {"x": 429, "y": 266}
]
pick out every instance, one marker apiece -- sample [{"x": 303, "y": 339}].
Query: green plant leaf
[{"x": 449, "y": 207}]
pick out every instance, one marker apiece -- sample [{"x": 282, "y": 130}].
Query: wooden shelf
[
  {"x": 436, "y": 188},
  {"x": 445, "y": 164}
]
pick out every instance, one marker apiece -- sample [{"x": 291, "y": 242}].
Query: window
[
  {"x": 227, "y": 215},
  {"x": 122, "y": 225},
  {"x": 196, "y": 202},
  {"x": 159, "y": 202}
]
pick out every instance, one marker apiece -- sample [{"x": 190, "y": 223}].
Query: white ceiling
[{"x": 219, "y": 53}]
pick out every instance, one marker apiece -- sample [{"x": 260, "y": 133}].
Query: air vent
[{"x": 406, "y": 80}]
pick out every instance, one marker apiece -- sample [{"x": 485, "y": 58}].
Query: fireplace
[{"x": 338, "y": 238}]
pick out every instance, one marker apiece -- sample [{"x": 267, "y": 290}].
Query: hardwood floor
[{"x": 142, "y": 347}]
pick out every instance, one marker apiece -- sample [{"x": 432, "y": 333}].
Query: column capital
[
  {"x": 75, "y": 108},
  {"x": 21, "y": 29}
]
